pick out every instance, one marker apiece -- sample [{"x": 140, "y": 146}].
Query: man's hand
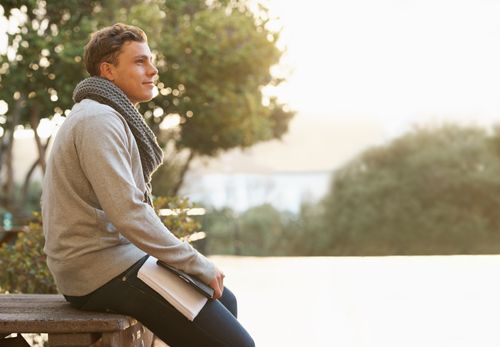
[{"x": 217, "y": 284}]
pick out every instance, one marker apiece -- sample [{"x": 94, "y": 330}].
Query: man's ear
[{"x": 106, "y": 70}]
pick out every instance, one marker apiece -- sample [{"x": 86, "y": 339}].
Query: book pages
[{"x": 177, "y": 292}]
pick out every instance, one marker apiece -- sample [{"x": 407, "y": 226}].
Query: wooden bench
[{"x": 66, "y": 326}]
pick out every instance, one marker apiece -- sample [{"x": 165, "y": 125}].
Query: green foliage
[
  {"x": 47, "y": 63},
  {"x": 306, "y": 232},
  {"x": 23, "y": 265},
  {"x": 259, "y": 231},
  {"x": 432, "y": 191},
  {"x": 262, "y": 230},
  {"x": 216, "y": 64},
  {"x": 178, "y": 222},
  {"x": 221, "y": 228}
]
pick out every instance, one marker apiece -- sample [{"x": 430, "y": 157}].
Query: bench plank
[
  {"x": 25, "y": 313},
  {"x": 73, "y": 340}
]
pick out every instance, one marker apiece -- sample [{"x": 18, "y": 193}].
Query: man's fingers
[
  {"x": 218, "y": 285},
  {"x": 217, "y": 293},
  {"x": 221, "y": 281}
]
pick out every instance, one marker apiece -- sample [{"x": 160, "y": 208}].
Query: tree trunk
[
  {"x": 6, "y": 164},
  {"x": 182, "y": 174},
  {"x": 35, "y": 121},
  {"x": 8, "y": 185},
  {"x": 40, "y": 161},
  {"x": 3, "y": 145},
  {"x": 27, "y": 178}
]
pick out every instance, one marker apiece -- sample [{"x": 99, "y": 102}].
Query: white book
[{"x": 177, "y": 292}]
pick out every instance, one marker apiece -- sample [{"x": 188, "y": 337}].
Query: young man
[{"x": 98, "y": 218}]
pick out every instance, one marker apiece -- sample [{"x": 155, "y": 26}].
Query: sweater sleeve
[{"x": 103, "y": 152}]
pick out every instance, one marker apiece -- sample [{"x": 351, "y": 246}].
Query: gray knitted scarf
[{"x": 106, "y": 92}]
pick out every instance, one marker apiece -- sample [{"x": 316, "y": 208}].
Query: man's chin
[{"x": 145, "y": 99}]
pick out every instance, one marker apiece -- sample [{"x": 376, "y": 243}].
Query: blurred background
[
  {"x": 332, "y": 128},
  {"x": 297, "y": 129}
]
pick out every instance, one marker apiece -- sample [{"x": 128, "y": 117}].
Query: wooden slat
[
  {"x": 72, "y": 340},
  {"x": 52, "y": 314}
]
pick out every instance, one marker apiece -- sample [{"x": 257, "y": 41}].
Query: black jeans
[{"x": 216, "y": 324}]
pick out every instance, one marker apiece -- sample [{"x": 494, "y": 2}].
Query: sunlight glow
[
  {"x": 22, "y": 133},
  {"x": 155, "y": 91},
  {"x": 195, "y": 211},
  {"x": 45, "y": 128},
  {"x": 171, "y": 121},
  {"x": 391, "y": 61},
  {"x": 196, "y": 236},
  {"x": 4, "y": 107}
]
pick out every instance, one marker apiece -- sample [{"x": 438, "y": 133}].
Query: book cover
[{"x": 193, "y": 281}]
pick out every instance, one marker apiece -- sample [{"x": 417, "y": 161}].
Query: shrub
[
  {"x": 179, "y": 222},
  {"x": 222, "y": 233},
  {"x": 434, "y": 190},
  {"x": 24, "y": 269},
  {"x": 259, "y": 231}
]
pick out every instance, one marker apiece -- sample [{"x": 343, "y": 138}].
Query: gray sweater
[{"x": 95, "y": 222}]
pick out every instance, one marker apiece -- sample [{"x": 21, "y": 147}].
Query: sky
[{"x": 397, "y": 62}]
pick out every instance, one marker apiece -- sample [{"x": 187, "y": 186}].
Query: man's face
[{"x": 134, "y": 71}]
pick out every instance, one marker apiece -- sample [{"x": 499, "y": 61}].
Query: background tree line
[{"x": 434, "y": 190}]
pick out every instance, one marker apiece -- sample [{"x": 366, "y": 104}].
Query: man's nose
[{"x": 153, "y": 70}]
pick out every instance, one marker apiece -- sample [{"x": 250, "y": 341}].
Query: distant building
[{"x": 283, "y": 190}]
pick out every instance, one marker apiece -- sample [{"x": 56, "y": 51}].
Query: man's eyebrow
[{"x": 143, "y": 56}]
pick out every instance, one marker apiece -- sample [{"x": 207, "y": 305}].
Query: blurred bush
[
  {"x": 260, "y": 231},
  {"x": 177, "y": 219},
  {"x": 23, "y": 265},
  {"x": 264, "y": 231},
  {"x": 222, "y": 231},
  {"x": 435, "y": 190}
]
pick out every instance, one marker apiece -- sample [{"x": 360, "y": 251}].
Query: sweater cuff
[{"x": 206, "y": 268}]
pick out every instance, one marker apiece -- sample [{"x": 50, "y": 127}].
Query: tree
[
  {"x": 432, "y": 191},
  {"x": 214, "y": 58},
  {"x": 38, "y": 74}
]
